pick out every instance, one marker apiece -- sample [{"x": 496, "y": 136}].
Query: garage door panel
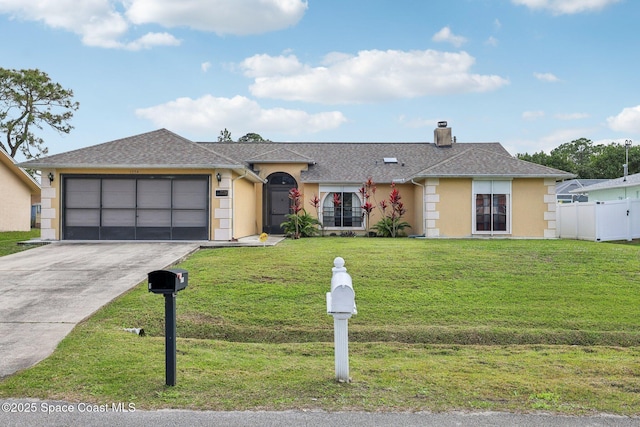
[
  {"x": 154, "y": 233},
  {"x": 83, "y": 193},
  {"x": 189, "y": 218},
  {"x": 118, "y": 233},
  {"x": 83, "y": 217},
  {"x": 187, "y": 194},
  {"x": 154, "y": 218},
  {"x": 118, "y": 218},
  {"x": 154, "y": 193},
  {"x": 190, "y": 233},
  {"x": 118, "y": 193}
]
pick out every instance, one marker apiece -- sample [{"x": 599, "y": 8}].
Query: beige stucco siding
[
  {"x": 15, "y": 202},
  {"x": 452, "y": 206},
  {"x": 293, "y": 169},
  {"x": 244, "y": 208},
  {"x": 533, "y": 207},
  {"x": 308, "y": 191}
]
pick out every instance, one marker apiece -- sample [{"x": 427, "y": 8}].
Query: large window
[
  {"x": 342, "y": 209},
  {"x": 492, "y": 208}
]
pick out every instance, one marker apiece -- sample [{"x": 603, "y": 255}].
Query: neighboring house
[
  {"x": 626, "y": 187},
  {"x": 159, "y": 185},
  {"x": 19, "y": 192},
  {"x": 565, "y": 190}
]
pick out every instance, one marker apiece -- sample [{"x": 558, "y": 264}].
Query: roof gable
[
  {"x": 160, "y": 148},
  {"x": 20, "y": 173},
  {"x": 280, "y": 155},
  {"x": 477, "y": 161}
]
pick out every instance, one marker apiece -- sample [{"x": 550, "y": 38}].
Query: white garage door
[{"x": 140, "y": 208}]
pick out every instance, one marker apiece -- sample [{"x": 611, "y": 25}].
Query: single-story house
[
  {"x": 565, "y": 190},
  {"x": 19, "y": 192},
  {"x": 161, "y": 186},
  {"x": 625, "y": 187}
]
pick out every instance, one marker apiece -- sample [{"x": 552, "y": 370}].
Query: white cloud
[
  {"x": 445, "y": 35},
  {"x": 417, "y": 123},
  {"x": 572, "y": 116},
  {"x": 568, "y": 7},
  {"x": 150, "y": 40},
  {"x": 208, "y": 114},
  {"x": 370, "y": 76},
  {"x": 546, "y": 77},
  {"x": 628, "y": 120},
  {"x": 491, "y": 41},
  {"x": 532, "y": 115},
  {"x": 205, "y": 66},
  {"x": 239, "y": 17},
  {"x": 104, "y": 23}
]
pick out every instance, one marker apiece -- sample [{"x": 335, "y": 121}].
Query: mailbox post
[
  {"x": 167, "y": 283},
  {"x": 341, "y": 305}
]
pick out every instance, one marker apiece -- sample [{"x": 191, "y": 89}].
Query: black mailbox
[{"x": 168, "y": 281}]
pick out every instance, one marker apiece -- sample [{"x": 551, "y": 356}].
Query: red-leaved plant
[
  {"x": 366, "y": 192},
  {"x": 299, "y": 223},
  {"x": 392, "y": 210}
]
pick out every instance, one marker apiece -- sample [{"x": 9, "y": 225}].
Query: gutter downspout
[{"x": 233, "y": 203}]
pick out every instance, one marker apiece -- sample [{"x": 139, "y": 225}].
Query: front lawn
[
  {"x": 442, "y": 324},
  {"x": 9, "y": 240}
]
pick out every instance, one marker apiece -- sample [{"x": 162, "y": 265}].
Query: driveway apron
[{"x": 46, "y": 291}]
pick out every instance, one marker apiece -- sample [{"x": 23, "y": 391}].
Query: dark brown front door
[{"x": 277, "y": 201}]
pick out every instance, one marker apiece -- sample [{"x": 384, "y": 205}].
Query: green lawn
[
  {"x": 512, "y": 325},
  {"x": 9, "y": 240}
]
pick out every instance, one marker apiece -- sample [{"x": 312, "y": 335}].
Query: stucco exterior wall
[
  {"x": 449, "y": 207},
  {"x": 15, "y": 202},
  {"x": 244, "y": 207},
  {"x": 293, "y": 169},
  {"x": 533, "y": 208}
]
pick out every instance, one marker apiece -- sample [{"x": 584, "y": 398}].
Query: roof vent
[{"x": 442, "y": 135}]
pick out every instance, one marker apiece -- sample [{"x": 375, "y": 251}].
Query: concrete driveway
[{"x": 46, "y": 291}]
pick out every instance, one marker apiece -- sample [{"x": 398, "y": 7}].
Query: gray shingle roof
[
  {"x": 630, "y": 181},
  {"x": 567, "y": 187},
  {"x": 160, "y": 148},
  {"x": 355, "y": 162},
  {"x": 347, "y": 162}
]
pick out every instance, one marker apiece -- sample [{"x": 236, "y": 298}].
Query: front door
[{"x": 277, "y": 201}]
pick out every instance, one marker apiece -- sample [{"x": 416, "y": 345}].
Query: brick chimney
[{"x": 442, "y": 135}]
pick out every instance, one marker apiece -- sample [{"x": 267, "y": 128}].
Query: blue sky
[{"x": 531, "y": 74}]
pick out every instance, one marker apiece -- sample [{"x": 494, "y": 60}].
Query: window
[
  {"x": 492, "y": 207},
  {"x": 342, "y": 209}
]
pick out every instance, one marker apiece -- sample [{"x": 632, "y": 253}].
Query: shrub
[
  {"x": 300, "y": 224},
  {"x": 390, "y": 227}
]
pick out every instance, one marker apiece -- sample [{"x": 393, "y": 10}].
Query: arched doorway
[{"x": 276, "y": 202}]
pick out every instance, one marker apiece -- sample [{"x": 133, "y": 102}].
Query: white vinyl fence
[{"x": 599, "y": 221}]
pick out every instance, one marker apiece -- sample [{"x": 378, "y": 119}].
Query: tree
[
  {"x": 586, "y": 160},
  {"x": 252, "y": 137},
  {"x": 225, "y": 136},
  {"x": 28, "y": 100}
]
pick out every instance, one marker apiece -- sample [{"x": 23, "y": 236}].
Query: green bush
[
  {"x": 300, "y": 225},
  {"x": 390, "y": 227}
]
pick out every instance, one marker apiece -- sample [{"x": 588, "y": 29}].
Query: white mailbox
[{"x": 341, "y": 299}]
